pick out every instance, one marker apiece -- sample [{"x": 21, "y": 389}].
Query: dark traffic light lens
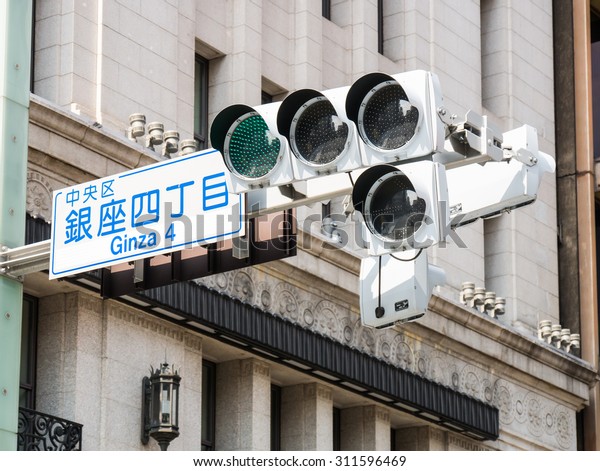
[
  {"x": 318, "y": 136},
  {"x": 251, "y": 150},
  {"x": 394, "y": 211},
  {"x": 387, "y": 119}
]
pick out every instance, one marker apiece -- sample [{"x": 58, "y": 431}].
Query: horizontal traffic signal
[{"x": 379, "y": 119}]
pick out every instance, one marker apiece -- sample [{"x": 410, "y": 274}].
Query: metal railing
[{"x": 44, "y": 432}]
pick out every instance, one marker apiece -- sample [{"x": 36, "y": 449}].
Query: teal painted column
[{"x": 15, "y": 58}]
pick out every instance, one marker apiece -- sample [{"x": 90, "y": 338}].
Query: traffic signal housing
[
  {"x": 254, "y": 152},
  {"x": 397, "y": 116},
  {"x": 402, "y": 207},
  {"x": 413, "y": 174},
  {"x": 379, "y": 119},
  {"x": 395, "y": 288}
]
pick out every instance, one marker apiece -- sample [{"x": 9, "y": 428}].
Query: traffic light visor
[
  {"x": 386, "y": 119},
  {"x": 393, "y": 209},
  {"x": 317, "y": 135},
  {"x": 250, "y": 149}
]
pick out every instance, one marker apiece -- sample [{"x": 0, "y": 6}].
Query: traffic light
[
  {"x": 379, "y": 119},
  {"x": 412, "y": 172},
  {"x": 402, "y": 207},
  {"x": 255, "y": 153},
  {"x": 322, "y": 139},
  {"x": 397, "y": 116}
]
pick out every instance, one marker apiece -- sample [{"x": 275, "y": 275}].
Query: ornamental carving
[
  {"x": 263, "y": 296},
  {"x": 287, "y": 305},
  {"x": 221, "y": 280},
  {"x": 470, "y": 382},
  {"x": 366, "y": 340},
  {"x": 459, "y": 442},
  {"x": 308, "y": 317},
  {"x": 285, "y": 301},
  {"x": 347, "y": 326},
  {"x": 523, "y": 411},
  {"x": 143, "y": 321},
  {"x": 563, "y": 426},
  {"x": 376, "y": 413},
  {"x": 402, "y": 354},
  {"x": 326, "y": 319},
  {"x": 39, "y": 196},
  {"x": 504, "y": 400},
  {"x": 315, "y": 390},
  {"x": 252, "y": 366},
  {"x": 243, "y": 288},
  {"x": 438, "y": 368},
  {"x": 535, "y": 416}
]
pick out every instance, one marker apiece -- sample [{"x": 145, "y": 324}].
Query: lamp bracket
[{"x": 146, "y": 391}]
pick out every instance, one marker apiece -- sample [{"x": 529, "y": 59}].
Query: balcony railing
[{"x": 43, "y": 432}]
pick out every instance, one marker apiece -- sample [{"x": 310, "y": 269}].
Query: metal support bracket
[{"x": 21, "y": 261}]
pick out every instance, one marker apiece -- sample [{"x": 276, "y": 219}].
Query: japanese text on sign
[{"x": 149, "y": 211}]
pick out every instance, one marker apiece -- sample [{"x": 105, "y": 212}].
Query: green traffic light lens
[
  {"x": 251, "y": 149},
  {"x": 394, "y": 210},
  {"x": 318, "y": 136},
  {"x": 388, "y": 121}
]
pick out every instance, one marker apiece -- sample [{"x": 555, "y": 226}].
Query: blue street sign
[{"x": 167, "y": 206}]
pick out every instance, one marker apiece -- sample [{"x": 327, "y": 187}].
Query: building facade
[{"x": 273, "y": 356}]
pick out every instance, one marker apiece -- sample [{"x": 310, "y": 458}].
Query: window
[
  {"x": 209, "y": 376},
  {"x": 275, "y": 418},
  {"x": 28, "y": 352},
  {"x": 201, "y": 102},
  {"x": 380, "y": 37},
  {"x": 326, "y": 9},
  {"x": 393, "y": 440},
  {"x": 337, "y": 430},
  {"x": 265, "y": 98}
]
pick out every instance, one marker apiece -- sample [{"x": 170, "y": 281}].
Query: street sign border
[{"x": 149, "y": 252}]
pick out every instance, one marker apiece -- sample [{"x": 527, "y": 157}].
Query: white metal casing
[
  {"x": 424, "y": 92},
  {"x": 480, "y": 191},
  {"x": 350, "y": 159},
  {"x": 282, "y": 172},
  {"x": 401, "y": 288},
  {"x": 429, "y": 181}
]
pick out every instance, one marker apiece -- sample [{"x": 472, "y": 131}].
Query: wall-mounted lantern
[{"x": 160, "y": 406}]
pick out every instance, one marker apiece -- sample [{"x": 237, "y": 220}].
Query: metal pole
[{"x": 15, "y": 58}]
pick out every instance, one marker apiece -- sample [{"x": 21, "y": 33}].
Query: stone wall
[{"x": 92, "y": 356}]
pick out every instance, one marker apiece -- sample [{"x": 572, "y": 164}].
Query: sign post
[
  {"x": 154, "y": 210},
  {"x": 15, "y": 54}
]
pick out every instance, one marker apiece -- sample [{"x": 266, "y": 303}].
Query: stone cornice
[
  {"x": 86, "y": 133},
  {"x": 325, "y": 251},
  {"x": 468, "y": 318},
  {"x": 528, "y": 346}
]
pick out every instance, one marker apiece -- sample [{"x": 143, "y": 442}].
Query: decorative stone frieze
[
  {"x": 459, "y": 442},
  {"x": 192, "y": 342},
  {"x": 39, "y": 196},
  {"x": 521, "y": 409},
  {"x": 253, "y": 366}
]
